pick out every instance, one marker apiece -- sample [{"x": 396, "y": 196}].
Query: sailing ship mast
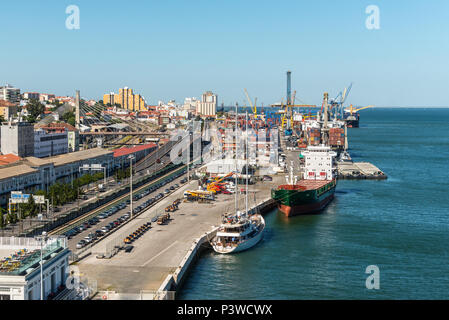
[
  {"x": 236, "y": 135},
  {"x": 246, "y": 188}
]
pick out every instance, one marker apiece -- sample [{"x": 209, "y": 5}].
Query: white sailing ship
[{"x": 241, "y": 230}]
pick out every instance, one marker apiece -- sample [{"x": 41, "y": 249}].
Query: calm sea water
[{"x": 401, "y": 225}]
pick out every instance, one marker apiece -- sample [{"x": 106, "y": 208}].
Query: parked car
[
  {"x": 80, "y": 244},
  {"x": 128, "y": 248},
  {"x": 104, "y": 230}
]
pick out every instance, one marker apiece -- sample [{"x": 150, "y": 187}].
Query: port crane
[
  {"x": 251, "y": 104},
  {"x": 336, "y": 105},
  {"x": 352, "y": 110}
]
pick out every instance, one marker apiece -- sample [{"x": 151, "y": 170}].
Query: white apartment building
[
  {"x": 20, "y": 270},
  {"x": 208, "y": 104},
  {"x": 50, "y": 142},
  {"x": 9, "y": 93}
]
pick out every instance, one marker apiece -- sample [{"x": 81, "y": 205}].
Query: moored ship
[
  {"x": 315, "y": 190},
  {"x": 238, "y": 232},
  {"x": 352, "y": 119}
]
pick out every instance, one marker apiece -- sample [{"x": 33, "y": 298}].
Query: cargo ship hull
[
  {"x": 308, "y": 197},
  {"x": 352, "y": 120},
  {"x": 352, "y": 123}
]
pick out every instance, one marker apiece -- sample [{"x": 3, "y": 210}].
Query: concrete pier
[
  {"x": 359, "y": 170},
  {"x": 163, "y": 255}
]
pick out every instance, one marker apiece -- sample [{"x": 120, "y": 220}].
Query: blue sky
[{"x": 174, "y": 49}]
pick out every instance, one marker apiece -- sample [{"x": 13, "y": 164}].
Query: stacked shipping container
[
  {"x": 314, "y": 136},
  {"x": 336, "y": 137}
]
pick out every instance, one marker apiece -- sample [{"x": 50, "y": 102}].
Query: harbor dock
[
  {"x": 161, "y": 258},
  {"x": 359, "y": 170}
]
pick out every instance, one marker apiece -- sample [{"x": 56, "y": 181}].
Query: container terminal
[{"x": 149, "y": 233}]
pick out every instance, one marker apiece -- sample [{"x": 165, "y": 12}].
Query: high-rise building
[
  {"x": 126, "y": 99},
  {"x": 208, "y": 104},
  {"x": 17, "y": 138},
  {"x": 9, "y": 93}
]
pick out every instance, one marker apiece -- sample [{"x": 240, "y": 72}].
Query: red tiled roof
[
  {"x": 8, "y": 158},
  {"x": 125, "y": 151},
  {"x": 4, "y": 103}
]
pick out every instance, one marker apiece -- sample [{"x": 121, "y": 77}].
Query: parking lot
[{"x": 113, "y": 217}]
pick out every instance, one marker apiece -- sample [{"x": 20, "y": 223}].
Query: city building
[
  {"x": 121, "y": 155},
  {"x": 31, "y": 174},
  {"x": 163, "y": 120},
  {"x": 9, "y": 93},
  {"x": 126, "y": 99},
  {"x": 17, "y": 138},
  {"x": 208, "y": 104},
  {"x": 46, "y": 97},
  {"x": 190, "y": 104},
  {"x": 20, "y": 268},
  {"x": 50, "y": 141},
  {"x": 31, "y": 95},
  {"x": 8, "y": 109},
  {"x": 72, "y": 133}
]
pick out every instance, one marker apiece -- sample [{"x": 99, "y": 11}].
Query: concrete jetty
[
  {"x": 162, "y": 256},
  {"x": 359, "y": 170}
]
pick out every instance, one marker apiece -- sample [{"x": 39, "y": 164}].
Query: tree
[
  {"x": 29, "y": 208},
  {"x": 2, "y": 222},
  {"x": 69, "y": 117},
  {"x": 35, "y": 109}
]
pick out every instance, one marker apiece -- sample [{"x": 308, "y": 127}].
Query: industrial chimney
[
  {"x": 77, "y": 109},
  {"x": 289, "y": 87}
]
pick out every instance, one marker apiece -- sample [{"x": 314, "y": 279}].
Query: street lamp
[
  {"x": 42, "y": 239},
  {"x": 131, "y": 157},
  {"x": 188, "y": 158}
]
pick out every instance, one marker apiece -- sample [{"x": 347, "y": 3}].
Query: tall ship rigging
[{"x": 239, "y": 231}]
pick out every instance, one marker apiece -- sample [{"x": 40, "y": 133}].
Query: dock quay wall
[{"x": 174, "y": 281}]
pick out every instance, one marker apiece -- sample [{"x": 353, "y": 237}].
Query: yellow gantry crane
[
  {"x": 251, "y": 104},
  {"x": 357, "y": 109}
]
